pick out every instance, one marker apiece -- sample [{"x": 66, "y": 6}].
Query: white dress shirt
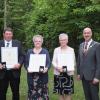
[{"x": 10, "y": 43}]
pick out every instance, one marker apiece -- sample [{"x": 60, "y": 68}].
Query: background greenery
[{"x": 50, "y": 18}]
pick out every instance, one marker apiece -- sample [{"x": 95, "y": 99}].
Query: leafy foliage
[
  {"x": 69, "y": 16},
  {"x": 50, "y": 18}
]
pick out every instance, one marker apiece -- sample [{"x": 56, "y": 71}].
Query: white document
[
  {"x": 66, "y": 60},
  {"x": 36, "y": 60},
  {"x": 10, "y": 56}
]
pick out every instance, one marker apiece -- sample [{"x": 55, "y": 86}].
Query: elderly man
[{"x": 88, "y": 65}]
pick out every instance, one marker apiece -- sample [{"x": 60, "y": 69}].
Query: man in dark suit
[
  {"x": 10, "y": 76},
  {"x": 88, "y": 65}
]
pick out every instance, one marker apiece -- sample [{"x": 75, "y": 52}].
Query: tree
[
  {"x": 51, "y": 17},
  {"x": 5, "y": 14},
  {"x": 14, "y": 14}
]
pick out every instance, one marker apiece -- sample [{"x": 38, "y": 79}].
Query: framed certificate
[
  {"x": 36, "y": 61},
  {"x": 66, "y": 60},
  {"x": 10, "y": 56}
]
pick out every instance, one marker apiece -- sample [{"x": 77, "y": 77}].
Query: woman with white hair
[
  {"x": 64, "y": 63},
  {"x": 37, "y": 81}
]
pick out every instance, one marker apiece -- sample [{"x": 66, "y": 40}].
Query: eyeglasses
[
  {"x": 63, "y": 40},
  {"x": 37, "y": 41}
]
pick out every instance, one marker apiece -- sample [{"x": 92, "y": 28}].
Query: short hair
[
  {"x": 63, "y": 35},
  {"x": 87, "y": 28},
  {"x": 38, "y": 36},
  {"x": 8, "y": 29}
]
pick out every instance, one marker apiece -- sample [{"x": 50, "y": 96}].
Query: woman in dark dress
[{"x": 37, "y": 81}]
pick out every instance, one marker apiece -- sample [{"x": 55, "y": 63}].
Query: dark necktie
[
  {"x": 7, "y": 45},
  {"x": 86, "y": 44},
  {"x": 85, "y": 48}
]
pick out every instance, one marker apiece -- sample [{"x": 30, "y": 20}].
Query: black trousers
[
  {"x": 91, "y": 91},
  {"x": 9, "y": 79}
]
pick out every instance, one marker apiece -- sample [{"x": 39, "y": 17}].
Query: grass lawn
[{"x": 78, "y": 95}]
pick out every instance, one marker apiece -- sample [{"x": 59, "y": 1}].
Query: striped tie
[
  {"x": 85, "y": 48},
  {"x": 7, "y": 45}
]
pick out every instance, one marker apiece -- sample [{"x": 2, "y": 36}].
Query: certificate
[
  {"x": 35, "y": 61},
  {"x": 66, "y": 60},
  {"x": 10, "y": 56}
]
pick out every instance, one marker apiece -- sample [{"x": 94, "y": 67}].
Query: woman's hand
[
  {"x": 45, "y": 70},
  {"x": 17, "y": 66},
  {"x": 59, "y": 69}
]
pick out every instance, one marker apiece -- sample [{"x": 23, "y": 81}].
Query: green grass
[{"x": 78, "y": 95}]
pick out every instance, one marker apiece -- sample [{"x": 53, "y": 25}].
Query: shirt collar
[
  {"x": 8, "y": 41},
  {"x": 90, "y": 42}
]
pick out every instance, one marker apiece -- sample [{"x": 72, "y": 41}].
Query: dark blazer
[
  {"x": 89, "y": 65},
  {"x": 15, "y": 43}
]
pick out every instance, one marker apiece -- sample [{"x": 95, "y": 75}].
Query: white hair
[
  {"x": 38, "y": 36},
  {"x": 63, "y": 35}
]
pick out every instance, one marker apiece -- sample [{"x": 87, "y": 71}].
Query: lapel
[
  {"x": 13, "y": 43},
  {"x": 2, "y": 43},
  {"x": 90, "y": 47},
  {"x": 82, "y": 48},
  {"x": 92, "y": 44}
]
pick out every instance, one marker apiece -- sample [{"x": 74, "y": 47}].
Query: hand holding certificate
[
  {"x": 37, "y": 62},
  {"x": 2, "y": 65},
  {"x": 66, "y": 61},
  {"x": 17, "y": 66},
  {"x": 10, "y": 56}
]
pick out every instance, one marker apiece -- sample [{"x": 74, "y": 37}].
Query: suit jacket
[
  {"x": 15, "y": 43},
  {"x": 89, "y": 65}
]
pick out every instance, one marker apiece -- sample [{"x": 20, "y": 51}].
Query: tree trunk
[{"x": 5, "y": 14}]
